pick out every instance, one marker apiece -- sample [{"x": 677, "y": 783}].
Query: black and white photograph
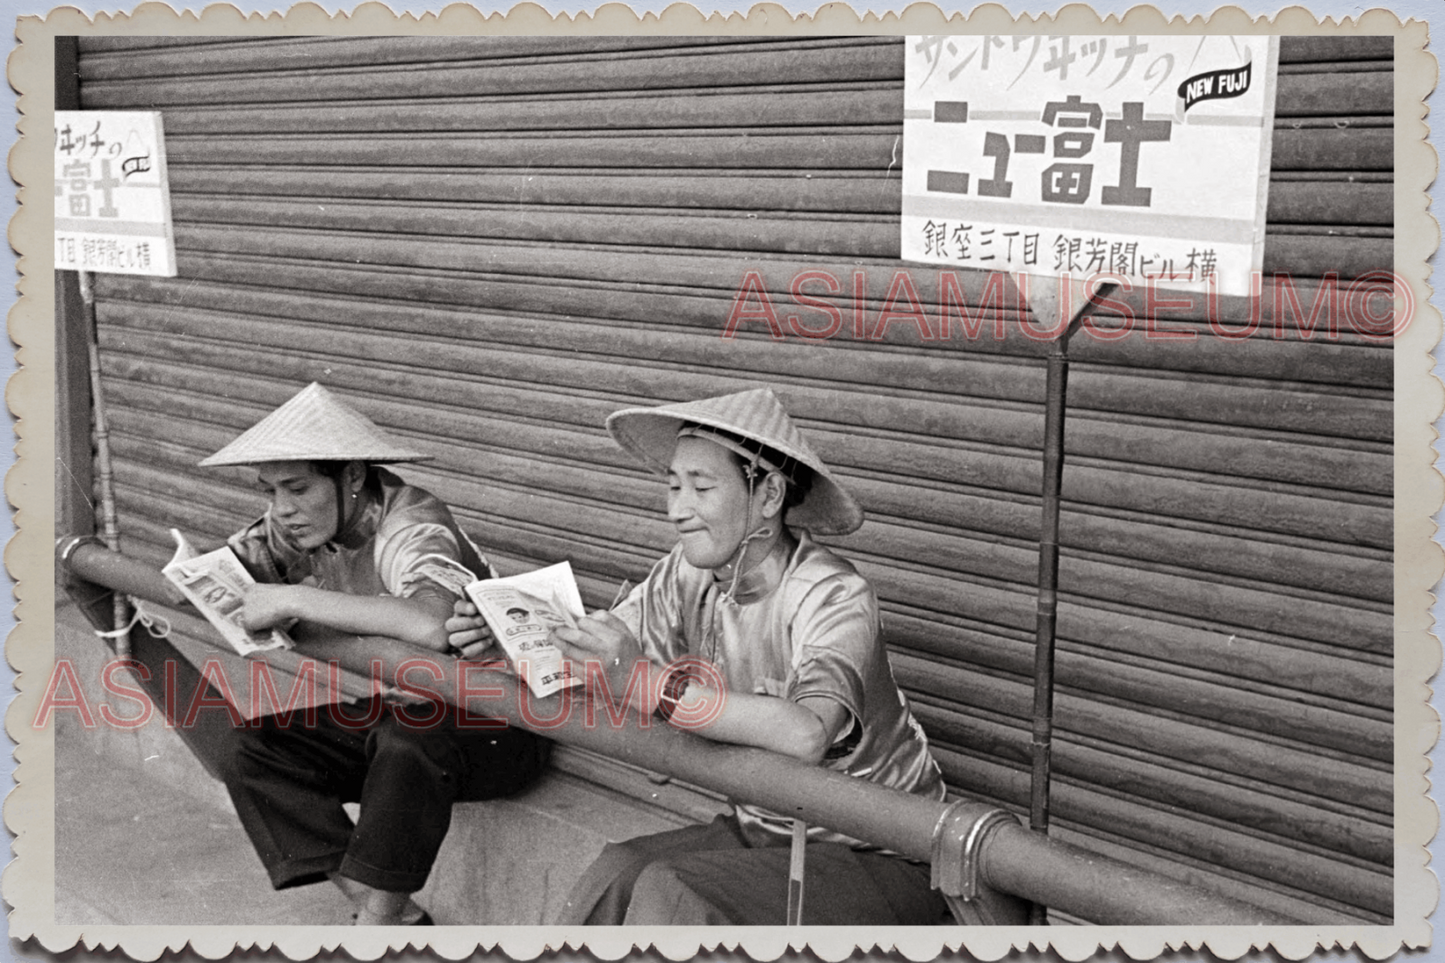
[{"x": 941, "y": 485}]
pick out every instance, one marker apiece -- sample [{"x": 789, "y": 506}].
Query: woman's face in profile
[
  {"x": 707, "y": 500},
  {"x": 303, "y": 501}
]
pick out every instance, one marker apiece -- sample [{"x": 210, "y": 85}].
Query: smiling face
[
  {"x": 303, "y": 501},
  {"x": 707, "y": 499}
]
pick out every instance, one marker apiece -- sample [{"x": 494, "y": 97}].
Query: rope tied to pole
[{"x": 158, "y": 626}]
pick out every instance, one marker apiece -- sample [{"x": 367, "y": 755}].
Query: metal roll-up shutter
[{"x": 490, "y": 243}]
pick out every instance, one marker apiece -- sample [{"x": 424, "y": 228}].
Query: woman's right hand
[
  {"x": 266, "y": 606},
  {"x": 603, "y": 641},
  {"x": 467, "y": 632}
]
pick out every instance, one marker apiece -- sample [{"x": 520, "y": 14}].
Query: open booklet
[
  {"x": 521, "y": 611},
  {"x": 216, "y": 584}
]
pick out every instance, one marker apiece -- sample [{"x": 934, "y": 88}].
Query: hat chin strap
[
  {"x": 740, "y": 553},
  {"x": 340, "y": 506},
  {"x": 342, "y": 522}
]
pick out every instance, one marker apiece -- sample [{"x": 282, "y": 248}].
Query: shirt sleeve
[
  {"x": 835, "y": 640},
  {"x": 253, "y": 550},
  {"x": 653, "y": 611},
  {"x": 421, "y": 560}
]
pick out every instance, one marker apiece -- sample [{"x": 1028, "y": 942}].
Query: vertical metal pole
[{"x": 110, "y": 527}]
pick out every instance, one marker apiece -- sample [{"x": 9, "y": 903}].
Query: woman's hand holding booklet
[
  {"x": 219, "y": 587},
  {"x": 520, "y": 613}
]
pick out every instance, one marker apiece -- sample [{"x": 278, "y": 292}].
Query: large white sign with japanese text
[
  {"x": 112, "y": 201},
  {"x": 1144, "y": 157}
]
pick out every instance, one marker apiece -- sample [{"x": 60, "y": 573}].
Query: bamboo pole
[
  {"x": 109, "y": 524},
  {"x": 1058, "y": 303}
]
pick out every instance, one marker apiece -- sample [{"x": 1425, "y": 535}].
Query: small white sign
[
  {"x": 1143, "y": 157},
  {"x": 112, "y": 199}
]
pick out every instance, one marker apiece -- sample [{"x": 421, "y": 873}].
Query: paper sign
[
  {"x": 112, "y": 200},
  {"x": 1144, "y": 157}
]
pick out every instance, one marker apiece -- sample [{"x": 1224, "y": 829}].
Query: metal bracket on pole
[
  {"x": 95, "y": 600},
  {"x": 957, "y": 851}
]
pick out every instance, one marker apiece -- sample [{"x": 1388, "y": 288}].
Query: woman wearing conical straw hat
[
  {"x": 789, "y": 632},
  {"x": 347, "y": 546}
]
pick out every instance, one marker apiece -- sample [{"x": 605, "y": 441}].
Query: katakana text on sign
[
  {"x": 1145, "y": 157},
  {"x": 112, "y": 200}
]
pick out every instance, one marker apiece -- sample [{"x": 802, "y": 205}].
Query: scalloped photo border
[{"x": 28, "y": 880}]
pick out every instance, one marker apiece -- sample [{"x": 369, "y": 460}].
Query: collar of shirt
[{"x": 760, "y": 580}]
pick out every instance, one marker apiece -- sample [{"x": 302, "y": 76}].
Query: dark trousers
[
  {"x": 710, "y": 875},
  {"x": 289, "y": 782}
]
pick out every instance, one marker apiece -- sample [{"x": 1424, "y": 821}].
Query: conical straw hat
[
  {"x": 314, "y": 425},
  {"x": 650, "y": 434}
]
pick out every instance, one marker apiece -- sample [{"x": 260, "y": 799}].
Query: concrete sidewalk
[
  {"x": 143, "y": 834},
  {"x": 132, "y": 849}
]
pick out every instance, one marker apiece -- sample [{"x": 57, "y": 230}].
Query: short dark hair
[
  {"x": 370, "y": 481},
  {"x": 329, "y": 469}
]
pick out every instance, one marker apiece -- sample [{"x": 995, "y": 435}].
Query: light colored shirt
[{"x": 803, "y": 624}]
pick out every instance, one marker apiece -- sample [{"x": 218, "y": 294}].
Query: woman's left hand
[
  {"x": 468, "y": 634},
  {"x": 604, "y": 640},
  {"x": 266, "y": 606}
]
